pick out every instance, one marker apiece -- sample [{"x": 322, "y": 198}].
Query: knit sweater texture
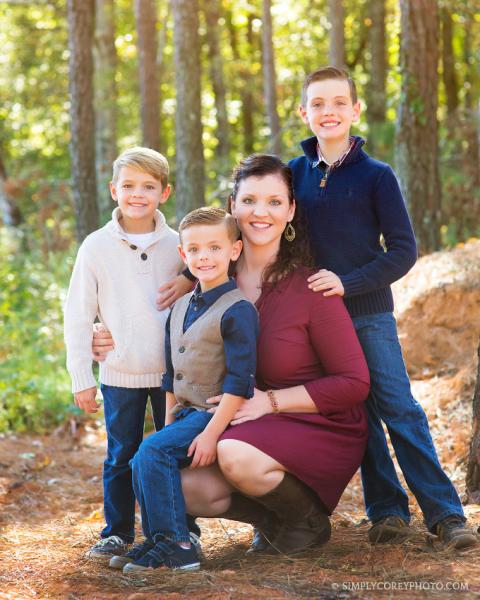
[
  {"x": 117, "y": 283},
  {"x": 357, "y": 203}
]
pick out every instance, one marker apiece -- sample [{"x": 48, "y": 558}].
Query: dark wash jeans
[
  {"x": 124, "y": 410},
  {"x": 391, "y": 401},
  {"x": 156, "y": 476}
]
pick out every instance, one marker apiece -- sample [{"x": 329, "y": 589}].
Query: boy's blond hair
[
  {"x": 329, "y": 73},
  {"x": 210, "y": 215},
  {"x": 144, "y": 159}
]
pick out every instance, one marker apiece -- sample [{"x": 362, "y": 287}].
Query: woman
[{"x": 294, "y": 446}]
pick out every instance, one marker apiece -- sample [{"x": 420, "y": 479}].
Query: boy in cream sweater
[{"x": 115, "y": 279}]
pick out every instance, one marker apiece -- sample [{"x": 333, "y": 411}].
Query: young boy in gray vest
[{"x": 210, "y": 350}]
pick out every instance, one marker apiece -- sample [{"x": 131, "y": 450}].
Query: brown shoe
[
  {"x": 453, "y": 532},
  {"x": 304, "y": 519},
  {"x": 388, "y": 529}
]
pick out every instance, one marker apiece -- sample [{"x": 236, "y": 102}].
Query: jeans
[
  {"x": 124, "y": 410},
  {"x": 156, "y": 476},
  {"x": 391, "y": 401}
]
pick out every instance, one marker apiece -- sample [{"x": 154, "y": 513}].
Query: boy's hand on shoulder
[
  {"x": 204, "y": 450},
  {"x": 326, "y": 280},
  {"x": 102, "y": 342},
  {"x": 170, "y": 292},
  {"x": 86, "y": 400}
]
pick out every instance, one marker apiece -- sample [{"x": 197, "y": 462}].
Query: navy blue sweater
[{"x": 360, "y": 201}]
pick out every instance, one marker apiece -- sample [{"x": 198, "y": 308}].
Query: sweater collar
[
  {"x": 309, "y": 147},
  {"x": 115, "y": 226}
]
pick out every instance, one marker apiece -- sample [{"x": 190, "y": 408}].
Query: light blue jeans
[
  {"x": 156, "y": 476},
  {"x": 391, "y": 401}
]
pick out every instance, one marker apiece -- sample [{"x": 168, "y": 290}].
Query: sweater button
[
  {"x": 143, "y": 256},
  {"x": 133, "y": 247},
  {"x": 179, "y": 376},
  {"x": 181, "y": 349}
]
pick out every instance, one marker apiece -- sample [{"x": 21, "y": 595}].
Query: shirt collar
[
  {"x": 339, "y": 160},
  {"x": 214, "y": 294},
  {"x": 309, "y": 147}
]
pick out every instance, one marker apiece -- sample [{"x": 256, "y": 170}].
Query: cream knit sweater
[{"x": 119, "y": 284}]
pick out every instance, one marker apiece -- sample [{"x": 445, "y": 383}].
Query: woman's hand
[
  {"x": 102, "y": 342},
  {"x": 253, "y": 408}
]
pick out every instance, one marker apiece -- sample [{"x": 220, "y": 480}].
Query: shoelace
[{"x": 113, "y": 539}]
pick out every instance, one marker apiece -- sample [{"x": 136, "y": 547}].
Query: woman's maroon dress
[{"x": 308, "y": 339}]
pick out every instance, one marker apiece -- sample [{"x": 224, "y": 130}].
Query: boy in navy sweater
[{"x": 350, "y": 200}]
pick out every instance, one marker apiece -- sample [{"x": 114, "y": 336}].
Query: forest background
[{"x": 205, "y": 82}]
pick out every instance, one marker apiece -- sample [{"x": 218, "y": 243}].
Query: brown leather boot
[
  {"x": 247, "y": 510},
  {"x": 304, "y": 519}
]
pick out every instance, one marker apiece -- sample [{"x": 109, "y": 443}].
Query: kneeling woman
[{"x": 294, "y": 446}]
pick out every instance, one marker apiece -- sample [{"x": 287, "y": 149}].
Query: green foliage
[{"x": 34, "y": 386}]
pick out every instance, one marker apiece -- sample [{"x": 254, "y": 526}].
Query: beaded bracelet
[{"x": 273, "y": 401}]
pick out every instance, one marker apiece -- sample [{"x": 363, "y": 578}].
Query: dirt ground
[{"x": 51, "y": 496}]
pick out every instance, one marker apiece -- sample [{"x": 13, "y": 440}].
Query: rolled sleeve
[
  {"x": 167, "y": 377},
  {"x": 239, "y": 329}
]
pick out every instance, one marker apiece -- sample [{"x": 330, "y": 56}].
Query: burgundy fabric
[{"x": 308, "y": 339}]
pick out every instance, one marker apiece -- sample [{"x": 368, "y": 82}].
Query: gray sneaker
[
  {"x": 106, "y": 548},
  {"x": 195, "y": 541}
]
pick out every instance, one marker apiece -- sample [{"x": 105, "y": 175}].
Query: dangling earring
[{"x": 289, "y": 232}]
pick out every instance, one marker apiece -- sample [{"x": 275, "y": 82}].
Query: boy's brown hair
[
  {"x": 329, "y": 73},
  {"x": 210, "y": 215},
  {"x": 143, "y": 159}
]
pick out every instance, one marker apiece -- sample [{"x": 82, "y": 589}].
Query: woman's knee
[{"x": 235, "y": 461}]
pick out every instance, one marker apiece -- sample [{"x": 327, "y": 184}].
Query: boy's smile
[
  {"x": 207, "y": 250},
  {"x": 138, "y": 195},
  {"x": 329, "y": 111}
]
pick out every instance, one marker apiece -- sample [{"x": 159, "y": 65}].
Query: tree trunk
[
  {"x": 417, "y": 119},
  {"x": 82, "y": 145},
  {"x": 105, "y": 103},
  {"x": 448, "y": 63},
  {"x": 189, "y": 185},
  {"x": 336, "y": 50},
  {"x": 473, "y": 465},
  {"x": 269, "y": 79},
  {"x": 9, "y": 211},
  {"x": 146, "y": 20},
  {"x": 248, "y": 103},
  {"x": 375, "y": 90},
  {"x": 211, "y": 9}
]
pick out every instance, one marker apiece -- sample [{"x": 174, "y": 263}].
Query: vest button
[
  {"x": 179, "y": 376},
  {"x": 181, "y": 349},
  {"x": 143, "y": 256},
  {"x": 133, "y": 247}
]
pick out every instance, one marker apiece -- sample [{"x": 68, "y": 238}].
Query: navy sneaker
[
  {"x": 165, "y": 554},
  {"x": 107, "y": 548},
  {"x": 118, "y": 562}
]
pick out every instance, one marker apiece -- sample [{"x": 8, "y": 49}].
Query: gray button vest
[{"x": 198, "y": 355}]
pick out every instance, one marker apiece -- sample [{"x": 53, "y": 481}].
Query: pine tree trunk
[
  {"x": 211, "y": 9},
  {"x": 473, "y": 465},
  {"x": 336, "y": 50},
  {"x": 189, "y": 187},
  {"x": 146, "y": 20},
  {"x": 82, "y": 146},
  {"x": 269, "y": 79},
  {"x": 417, "y": 119},
  {"x": 375, "y": 89},
  {"x": 105, "y": 56},
  {"x": 248, "y": 103},
  {"x": 448, "y": 63}
]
